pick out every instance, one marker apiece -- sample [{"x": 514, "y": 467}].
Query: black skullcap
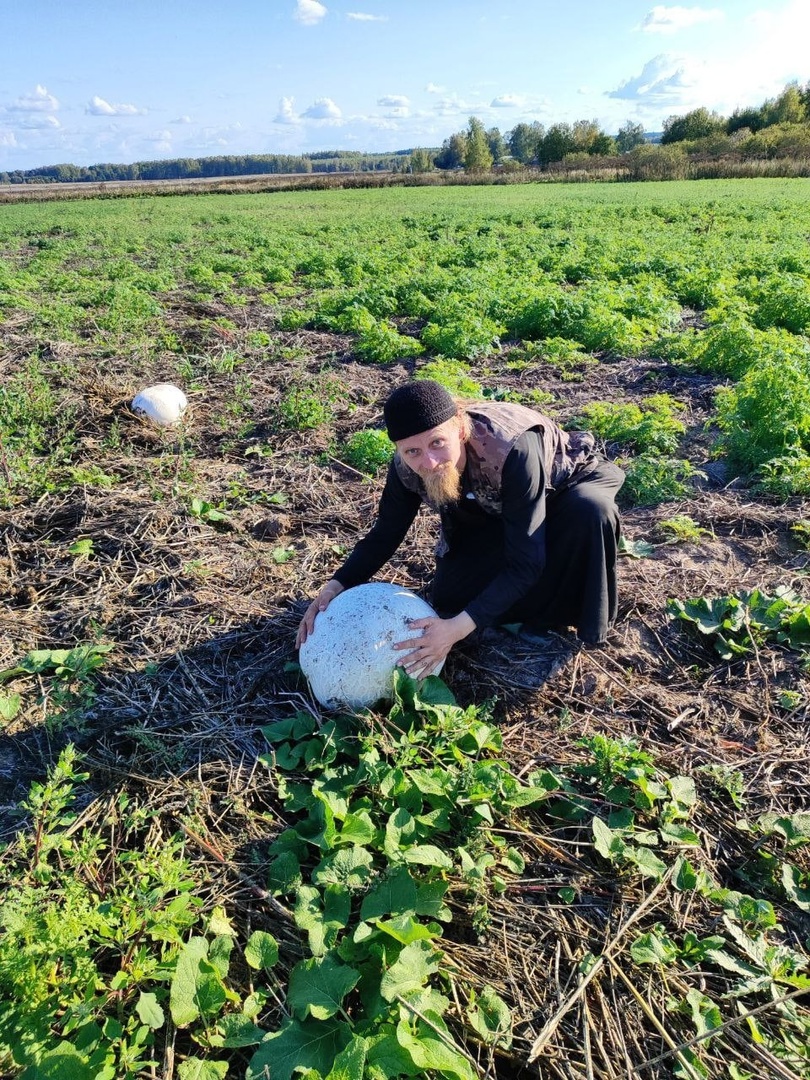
[{"x": 416, "y": 407}]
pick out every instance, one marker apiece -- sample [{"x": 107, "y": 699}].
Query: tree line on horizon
[{"x": 779, "y": 128}]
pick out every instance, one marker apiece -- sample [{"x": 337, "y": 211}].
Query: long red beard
[{"x": 442, "y": 486}]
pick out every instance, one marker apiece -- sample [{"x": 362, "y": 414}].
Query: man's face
[{"x": 438, "y": 457}]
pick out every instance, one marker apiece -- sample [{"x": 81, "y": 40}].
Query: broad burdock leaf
[
  {"x": 311, "y": 1044},
  {"x": 350, "y": 1063},
  {"x": 238, "y": 1029},
  {"x": 705, "y": 1014},
  {"x": 9, "y": 706},
  {"x": 219, "y": 954},
  {"x": 322, "y": 915},
  {"x": 427, "y": 855},
  {"x": 64, "y": 1062},
  {"x": 429, "y": 1052},
  {"x": 358, "y": 828},
  {"x": 349, "y": 866},
  {"x": 684, "y": 877},
  {"x": 648, "y": 863},
  {"x": 149, "y": 1011},
  {"x": 672, "y": 833},
  {"x": 796, "y": 886},
  {"x": 682, "y": 791},
  {"x": 607, "y": 843},
  {"x": 261, "y": 951},
  {"x": 196, "y": 1069},
  {"x": 183, "y": 990},
  {"x": 317, "y": 987},
  {"x": 410, "y": 971},
  {"x": 654, "y": 947},
  {"x": 400, "y": 830},
  {"x": 405, "y": 929},
  {"x": 395, "y": 895},
  {"x": 489, "y": 1015}
]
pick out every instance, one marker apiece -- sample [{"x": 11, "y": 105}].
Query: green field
[{"x": 596, "y": 869}]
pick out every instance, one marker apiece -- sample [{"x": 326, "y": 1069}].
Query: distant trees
[
  {"x": 477, "y": 154},
  {"x": 421, "y": 160},
  {"x": 524, "y": 142},
  {"x": 696, "y": 124},
  {"x": 629, "y": 135}
]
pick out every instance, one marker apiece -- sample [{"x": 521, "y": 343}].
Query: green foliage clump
[
  {"x": 681, "y": 528},
  {"x": 307, "y": 406},
  {"x": 767, "y": 413},
  {"x": 786, "y": 475},
  {"x": 35, "y": 435},
  {"x": 88, "y": 970},
  {"x": 784, "y": 301},
  {"x": 369, "y": 450},
  {"x": 454, "y": 375},
  {"x": 737, "y": 624},
  {"x": 651, "y": 427},
  {"x": 651, "y": 479},
  {"x": 732, "y": 346},
  {"x": 463, "y": 336},
  {"x": 381, "y": 343},
  {"x": 383, "y": 818}
]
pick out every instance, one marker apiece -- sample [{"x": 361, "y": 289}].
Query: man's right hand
[{"x": 321, "y": 602}]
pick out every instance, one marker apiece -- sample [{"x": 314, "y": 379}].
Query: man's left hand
[{"x": 437, "y": 639}]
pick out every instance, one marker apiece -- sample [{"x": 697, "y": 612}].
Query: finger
[
  {"x": 409, "y": 643},
  {"x": 420, "y": 624}
]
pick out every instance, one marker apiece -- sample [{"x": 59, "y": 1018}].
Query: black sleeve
[
  {"x": 523, "y": 495},
  {"x": 398, "y": 507}
]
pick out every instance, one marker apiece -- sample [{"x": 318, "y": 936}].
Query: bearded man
[{"x": 529, "y": 523}]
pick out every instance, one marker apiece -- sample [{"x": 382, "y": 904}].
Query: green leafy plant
[
  {"x": 70, "y": 689},
  {"x": 306, "y": 407},
  {"x": 207, "y": 512},
  {"x": 651, "y": 479},
  {"x": 385, "y": 814},
  {"x": 369, "y": 450},
  {"x": 649, "y": 428},
  {"x": 682, "y": 529},
  {"x": 766, "y": 415},
  {"x": 454, "y": 375},
  {"x": 737, "y": 624}
]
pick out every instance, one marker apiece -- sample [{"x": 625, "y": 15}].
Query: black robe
[{"x": 547, "y": 560}]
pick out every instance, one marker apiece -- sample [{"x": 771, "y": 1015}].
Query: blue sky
[{"x": 87, "y": 81}]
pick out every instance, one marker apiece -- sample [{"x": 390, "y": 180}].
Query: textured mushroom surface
[{"x": 349, "y": 659}]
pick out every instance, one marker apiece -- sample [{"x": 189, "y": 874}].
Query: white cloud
[
  {"x": 663, "y": 19},
  {"x": 669, "y": 20},
  {"x": 508, "y": 101},
  {"x": 286, "y": 112},
  {"x": 8, "y": 138},
  {"x": 160, "y": 140},
  {"x": 360, "y": 16},
  {"x": 35, "y": 122},
  {"x": 309, "y": 12},
  {"x": 453, "y": 105},
  {"x": 433, "y": 88},
  {"x": 323, "y": 109},
  {"x": 97, "y": 106},
  {"x": 181, "y": 120},
  {"x": 663, "y": 80},
  {"x": 394, "y": 101},
  {"x": 39, "y": 101}
]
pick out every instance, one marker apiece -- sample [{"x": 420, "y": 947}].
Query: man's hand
[
  {"x": 321, "y": 602},
  {"x": 437, "y": 639}
]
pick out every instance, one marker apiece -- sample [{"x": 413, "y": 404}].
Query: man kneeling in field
[{"x": 529, "y": 523}]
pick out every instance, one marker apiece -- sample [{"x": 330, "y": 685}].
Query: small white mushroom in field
[
  {"x": 348, "y": 659},
  {"x": 163, "y": 404}
]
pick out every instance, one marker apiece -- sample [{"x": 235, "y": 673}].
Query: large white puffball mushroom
[
  {"x": 163, "y": 404},
  {"x": 348, "y": 659}
]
